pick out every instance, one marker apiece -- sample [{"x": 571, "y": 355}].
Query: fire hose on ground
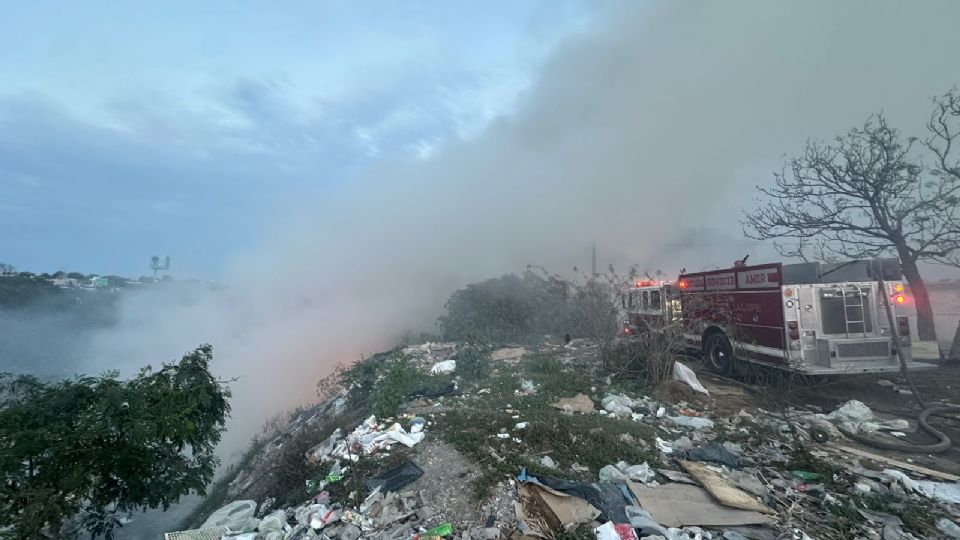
[
  {"x": 943, "y": 444},
  {"x": 820, "y": 434},
  {"x": 944, "y": 441}
]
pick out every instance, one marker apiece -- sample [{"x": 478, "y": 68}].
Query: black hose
[{"x": 940, "y": 446}]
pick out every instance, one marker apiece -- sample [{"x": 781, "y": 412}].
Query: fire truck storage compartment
[
  {"x": 864, "y": 349},
  {"x": 817, "y": 272},
  {"x": 855, "y": 351}
]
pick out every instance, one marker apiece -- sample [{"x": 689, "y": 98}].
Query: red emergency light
[{"x": 683, "y": 284}]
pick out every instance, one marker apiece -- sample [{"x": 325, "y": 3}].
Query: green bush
[
  {"x": 98, "y": 447},
  {"x": 401, "y": 379},
  {"x": 473, "y": 361},
  {"x": 508, "y": 308}
]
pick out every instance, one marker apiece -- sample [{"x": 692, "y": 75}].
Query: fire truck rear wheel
[{"x": 719, "y": 354}]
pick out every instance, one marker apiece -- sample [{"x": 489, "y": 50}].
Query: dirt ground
[{"x": 446, "y": 489}]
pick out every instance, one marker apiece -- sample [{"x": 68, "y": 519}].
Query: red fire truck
[{"x": 814, "y": 318}]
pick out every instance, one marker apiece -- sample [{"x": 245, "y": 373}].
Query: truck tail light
[
  {"x": 794, "y": 330},
  {"x": 899, "y": 297}
]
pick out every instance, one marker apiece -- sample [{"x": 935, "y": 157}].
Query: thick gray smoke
[{"x": 645, "y": 134}]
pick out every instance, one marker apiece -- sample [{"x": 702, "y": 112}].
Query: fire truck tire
[{"x": 719, "y": 354}]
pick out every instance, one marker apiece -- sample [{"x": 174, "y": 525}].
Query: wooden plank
[
  {"x": 897, "y": 463},
  {"x": 724, "y": 492}
]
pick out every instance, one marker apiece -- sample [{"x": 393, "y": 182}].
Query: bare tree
[
  {"x": 6, "y": 268},
  {"x": 872, "y": 192}
]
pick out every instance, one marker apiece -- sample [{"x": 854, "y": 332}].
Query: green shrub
[
  {"x": 473, "y": 361},
  {"x": 401, "y": 379}
]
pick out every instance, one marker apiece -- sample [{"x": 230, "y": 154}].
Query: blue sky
[{"x": 181, "y": 128}]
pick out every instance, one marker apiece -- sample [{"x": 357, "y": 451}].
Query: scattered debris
[
  {"x": 430, "y": 352},
  {"x": 619, "y": 405},
  {"x": 527, "y": 387},
  {"x": 578, "y": 403}
]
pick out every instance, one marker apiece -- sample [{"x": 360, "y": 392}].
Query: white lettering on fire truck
[
  {"x": 758, "y": 279},
  {"x": 721, "y": 282}
]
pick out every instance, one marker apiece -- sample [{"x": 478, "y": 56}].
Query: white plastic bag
[
  {"x": 447, "y": 366},
  {"x": 231, "y": 515},
  {"x": 684, "y": 374}
]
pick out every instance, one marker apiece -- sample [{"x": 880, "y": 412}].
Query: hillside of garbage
[{"x": 460, "y": 441}]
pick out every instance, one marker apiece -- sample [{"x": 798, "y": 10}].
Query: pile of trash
[
  {"x": 714, "y": 488},
  {"x": 368, "y": 438},
  {"x": 384, "y": 515},
  {"x": 430, "y": 353}
]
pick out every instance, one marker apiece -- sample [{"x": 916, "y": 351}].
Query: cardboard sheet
[{"x": 682, "y": 505}]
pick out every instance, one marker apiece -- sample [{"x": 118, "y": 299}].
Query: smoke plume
[{"x": 645, "y": 134}]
